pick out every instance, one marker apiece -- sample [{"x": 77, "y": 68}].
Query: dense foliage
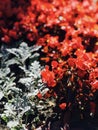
[
  {"x": 20, "y": 84},
  {"x": 66, "y": 70}
]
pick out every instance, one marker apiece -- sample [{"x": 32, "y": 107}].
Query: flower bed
[{"x": 49, "y": 62}]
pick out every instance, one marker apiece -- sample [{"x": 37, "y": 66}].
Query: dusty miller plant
[{"x": 20, "y": 82}]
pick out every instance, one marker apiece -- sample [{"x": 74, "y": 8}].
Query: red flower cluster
[
  {"x": 11, "y": 13},
  {"x": 29, "y": 19},
  {"x": 48, "y": 77},
  {"x": 69, "y": 37},
  {"x": 67, "y": 30}
]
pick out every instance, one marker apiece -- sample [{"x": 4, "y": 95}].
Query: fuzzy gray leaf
[
  {"x": 12, "y": 62},
  {"x": 1, "y": 95}
]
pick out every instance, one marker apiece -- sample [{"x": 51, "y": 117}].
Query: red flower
[
  {"x": 62, "y": 106},
  {"x": 81, "y": 64},
  {"x": 65, "y": 49},
  {"x": 39, "y": 95},
  {"x": 52, "y": 41},
  {"x": 94, "y": 84},
  {"x": 71, "y": 62},
  {"x": 94, "y": 74},
  {"x": 48, "y": 77},
  {"x": 6, "y": 39},
  {"x": 47, "y": 95},
  {"x": 54, "y": 64},
  {"x": 13, "y": 34}
]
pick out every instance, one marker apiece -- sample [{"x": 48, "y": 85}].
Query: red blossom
[
  {"x": 12, "y": 34},
  {"x": 65, "y": 49},
  {"x": 68, "y": 34},
  {"x": 48, "y": 77},
  {"x": 52, "y": 42},
  {"x": 94, "y": 84},
  {"x": 6, "y": 39},
  {"x": 93, "y": 74},
  {"x": 71, "y": 62},
  {"x": 62, "y": 106},
  {"x": 82, "y": 64},
  {"x": 39, "y": 95},
  {"x": 54, "y": 64},
  {"x": 84, "y": 61}
]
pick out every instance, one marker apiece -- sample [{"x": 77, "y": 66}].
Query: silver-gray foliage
[{"x": 18, "y": 90}]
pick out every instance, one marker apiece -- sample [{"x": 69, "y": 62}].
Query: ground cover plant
[{"x": 49, "y": 63}]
